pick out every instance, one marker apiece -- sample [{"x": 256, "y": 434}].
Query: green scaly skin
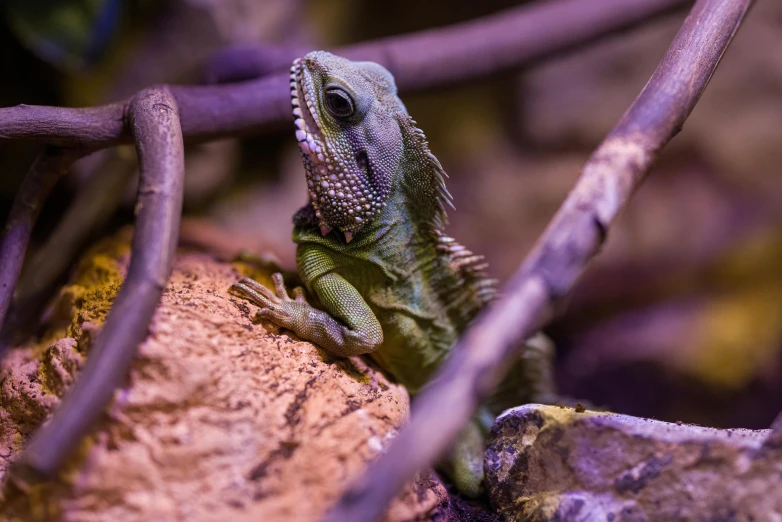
[{"x": 371, "y": 245}]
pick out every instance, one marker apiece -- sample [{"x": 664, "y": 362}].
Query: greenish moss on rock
[{"x": 219, "y": 419}]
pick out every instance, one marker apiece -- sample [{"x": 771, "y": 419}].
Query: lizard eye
[{"x": 338, "y": 103}]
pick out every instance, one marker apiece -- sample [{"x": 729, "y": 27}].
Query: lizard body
[
  {"x": 371, "y": 241},
  {"x": 411, "y": 279}
]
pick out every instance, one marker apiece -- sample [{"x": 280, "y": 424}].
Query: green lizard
[{"x": 372, "y": 250}]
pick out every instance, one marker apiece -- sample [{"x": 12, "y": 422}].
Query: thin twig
[
  {"x": 574, "y": 236},
  {"x": 82, "y": 221},
  {"x": 494, "y": 44},
  {"x": 154, "y": 123},
  {"x": 49, "y": 167}
]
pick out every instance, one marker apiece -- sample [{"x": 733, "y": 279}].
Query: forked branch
[
  {"x": 574, "y": 236},
  {"x": 155, "y": 127}
]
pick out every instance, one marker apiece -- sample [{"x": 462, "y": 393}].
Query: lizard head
[{"x": 347, "y": 124}]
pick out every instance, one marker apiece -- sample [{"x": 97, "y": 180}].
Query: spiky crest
[
  {"x": 425, "y": 177},
  {"x": 471, "y": 289},
  {"x": 471, "y": 269}
]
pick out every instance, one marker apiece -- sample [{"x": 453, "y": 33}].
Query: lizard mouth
[
  {"x": 312, "y": 146},
  {"x": 305, "y": 117},
  {"x": 340, "y": 188}
]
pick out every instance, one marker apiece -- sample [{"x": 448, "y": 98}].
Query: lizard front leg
[{"x": 348, "y": 327}]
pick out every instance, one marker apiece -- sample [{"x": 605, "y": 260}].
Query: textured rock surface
[
  {"x": 221, "y": 419},
  {"x": 550, "y": 463}
]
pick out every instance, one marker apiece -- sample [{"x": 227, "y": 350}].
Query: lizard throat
[{"x": 340, "y": 188}]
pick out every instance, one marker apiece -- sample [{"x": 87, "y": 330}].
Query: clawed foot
[{"x": 274, "y": 306}]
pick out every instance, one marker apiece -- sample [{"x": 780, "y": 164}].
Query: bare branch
[
  {"x": 96, "y": 127},
  {"x": 239, "y": 63},
  {"x": 503, "y": 41},
  {"x": 158, "y": 136},
  {"x": 491, "y": 45},
  {"x": 574, "y": 236},
  {"x": 49, "y": 167},
  {"x": 96, "y": 202}
]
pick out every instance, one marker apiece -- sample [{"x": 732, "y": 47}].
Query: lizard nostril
[{"x": 362, "y": 160}]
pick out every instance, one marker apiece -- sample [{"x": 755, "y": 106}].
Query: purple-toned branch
[
  {"x": 49, "y": 167},
  {"x": 155, "y": 127},
  {"x": 44, "y": 270},
  {"x": 94, "y": 127},
  {"x": 443, "y": 56},
  {"x": 574, "y": 236},
  {"x": 240, "y": 63},
  {"x": 502, "y": 42},
  {"x": 514, "y": 38}
]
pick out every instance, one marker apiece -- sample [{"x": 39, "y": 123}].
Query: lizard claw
[
  {"x": 274, "y": 305},
  {"x": 279, "y": 286},
  {"x": 254, "y": 292}
]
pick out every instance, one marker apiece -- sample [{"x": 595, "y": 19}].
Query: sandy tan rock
[
  {"x": 221, "y": 418},
  {"x": 548, "y": 463}
]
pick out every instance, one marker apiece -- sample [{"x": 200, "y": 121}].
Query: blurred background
[{"x": 680, "y": 317}]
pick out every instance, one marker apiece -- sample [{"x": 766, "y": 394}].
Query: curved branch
[
  {"x": 438, "y": 57},
  {"x": 45, "y": 269},
  {"x": 503, "y": 41},
  {"x": 49, "y": 167},
  {"x": 154, "y": 123},
  {"x": 574, "y": 236}
]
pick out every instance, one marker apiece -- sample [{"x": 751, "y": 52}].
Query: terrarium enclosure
[{"x": 616, "y": 163}]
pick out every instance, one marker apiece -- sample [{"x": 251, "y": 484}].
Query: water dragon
[{"x": 372, "y": 251}]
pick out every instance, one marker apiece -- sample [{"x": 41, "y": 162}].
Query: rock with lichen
[
  {"x": 219, "y": 419},
  {"x": 547, "y": 463}
]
